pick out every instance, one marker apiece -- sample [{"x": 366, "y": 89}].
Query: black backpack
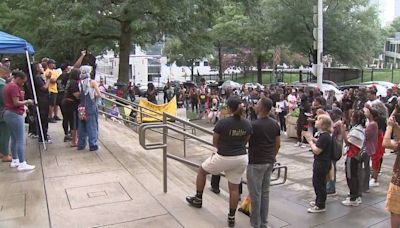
[{"x": 337, "y": 149}]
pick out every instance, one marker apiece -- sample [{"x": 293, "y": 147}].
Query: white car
[
  {"x": 254, "y": 86},
  {"x": 387, "y": 85},
  {"x": 381, "y": 90},
  {"x": 231, "y": 84}
]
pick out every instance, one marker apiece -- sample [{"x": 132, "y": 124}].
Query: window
[
  {"x": 197, "y": 63},
  {"x": 205, "y": 63}
]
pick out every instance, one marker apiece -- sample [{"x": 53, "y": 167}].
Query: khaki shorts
[{"x": 232, "y": 166}]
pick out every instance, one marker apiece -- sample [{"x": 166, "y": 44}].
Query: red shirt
[
  {"x": 352, "y": 151},
  {"x": 13, "y": 90}
]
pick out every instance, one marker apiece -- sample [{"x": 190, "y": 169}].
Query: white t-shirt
[{"x": 281, "y": 106}]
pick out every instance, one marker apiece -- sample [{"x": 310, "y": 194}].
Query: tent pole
[{"x": 35, "y": 99}]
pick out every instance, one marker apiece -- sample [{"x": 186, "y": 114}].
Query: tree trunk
[
  {"x": 259, "y": 69},
  {"x": 192, "y": 71},
  {"x": 125, "y": 44},
  {"x": 220, "y": 73}
]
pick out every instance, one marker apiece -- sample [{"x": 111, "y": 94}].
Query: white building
[{"x": 148, "y": 65}]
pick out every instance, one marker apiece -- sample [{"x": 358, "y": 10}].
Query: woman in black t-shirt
[
  {"x": 42, "y": 93},
  {"x": 230, "y": 138},
  {"x": 322, "y": 149},
  {"x": 70, "y": 105}
]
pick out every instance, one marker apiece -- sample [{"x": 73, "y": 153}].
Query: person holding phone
[
  {"x": 14, "y": 102},
  {"x": 393, "y": 194}
]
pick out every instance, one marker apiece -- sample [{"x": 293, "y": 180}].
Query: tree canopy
[{"x": 194, "y": 29}]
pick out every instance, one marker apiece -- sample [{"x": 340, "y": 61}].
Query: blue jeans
[
  {"x": 15, "y": 123},
  {"x": 258, "y": 182},
  {"x": 88, "y": 129}
]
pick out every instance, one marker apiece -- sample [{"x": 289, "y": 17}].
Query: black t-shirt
[
  {"x": 233, "y": 134},
  {"x": 324, "y": 142},
  {"x": 62, "y": 82},
  {"x": 42, "y": 95},
  {"x": 71, "y": 88},
  {"x": 262, "y": 141},
  {"x": 203, "y": 98}
]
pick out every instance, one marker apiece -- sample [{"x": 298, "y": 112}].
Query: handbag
[{"x": 82, "y": 109}]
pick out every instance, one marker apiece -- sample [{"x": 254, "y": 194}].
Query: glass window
[
  {"x": 197, "y": 63},
  {"x": 205, "y": 63}
]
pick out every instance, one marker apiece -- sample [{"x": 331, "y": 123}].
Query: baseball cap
[
  {"x": 233, "y": 102},
  {"x": 335, "y": 111},
  {"x": 5, "y": 59}
]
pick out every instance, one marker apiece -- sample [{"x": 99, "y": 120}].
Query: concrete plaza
[{"x": 121, "y": 186}]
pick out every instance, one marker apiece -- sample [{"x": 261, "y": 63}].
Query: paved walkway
[{"x": 121, "y": 186}]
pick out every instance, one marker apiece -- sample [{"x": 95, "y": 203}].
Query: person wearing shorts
[{"x": 230, "y": 138}]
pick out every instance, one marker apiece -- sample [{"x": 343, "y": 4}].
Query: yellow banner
[{"x": 148, "y": 114}]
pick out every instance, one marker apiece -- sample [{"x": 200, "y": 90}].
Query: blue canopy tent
[{"x": 10, "y": 44}]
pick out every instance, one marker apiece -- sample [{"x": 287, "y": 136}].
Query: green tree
[{"x": 351, "y": 29}]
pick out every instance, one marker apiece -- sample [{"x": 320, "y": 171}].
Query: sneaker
[
  {"x": 373, "y": 183},
  {"x": 67, "y": 138},
  {"x": 312, "y": 203},
  {"x": 331, "y": 193},
  {"x": 14, "y": 163},
  {"x": 215, "y": 190},
  {"x": 297, "y": 144},
  {"x": 231, "y": 220},
  {"x": 48, "y": 141},
  {"x": 25, "y": 167},
  {"x": 194, "y": 201},
  {"x": 349, "y": 202},
  {"x": 316, "y": 209},
  {"x": 56, "y": 118},
  {"x": 359, "y": 200},
  {"x": 303, "y": 146}
]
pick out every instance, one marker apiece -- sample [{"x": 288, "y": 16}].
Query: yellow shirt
[{"x": 54, "y": 76}]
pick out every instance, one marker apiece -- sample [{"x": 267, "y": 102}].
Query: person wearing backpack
[
  {"x": 355, "y": 150},
  {"x": 322, "y": 150},
  {"x": 337, "y": 145}
]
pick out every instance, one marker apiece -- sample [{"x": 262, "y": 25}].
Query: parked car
[
  {"x": 254, "y": 85},
  {"x": 231, "y": 84},
  {"x": 387, "y": 85}
]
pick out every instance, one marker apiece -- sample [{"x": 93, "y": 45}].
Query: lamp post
[{"x": 320, "y": 44}]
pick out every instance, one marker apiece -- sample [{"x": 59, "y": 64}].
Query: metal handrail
[{"x": 164, "y": 145}]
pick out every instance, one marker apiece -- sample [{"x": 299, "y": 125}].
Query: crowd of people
[
  {"x": 358, "y": 126},
  {"x": 73, "y": 91}
]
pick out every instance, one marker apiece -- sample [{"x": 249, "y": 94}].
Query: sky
[{"x": 386, "y": 9}]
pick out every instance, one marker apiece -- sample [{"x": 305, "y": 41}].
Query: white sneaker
[
  {"x": 316, "y": 209},
  {"x": 24, "y": 166},
  {"x": 348, "y": 202},
  {"x": 303, "y": 146},
  {"x": 14, "y": 163},
  {"x": 297, "y": 144},
  {"x": 312, "y": 203},
  {"x": 373, "y": 183}
]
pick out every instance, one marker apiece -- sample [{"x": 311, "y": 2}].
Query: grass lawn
[{"x": 376, "y": 75}]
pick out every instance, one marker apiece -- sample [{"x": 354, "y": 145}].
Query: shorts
[
  {"x": 52, "y": 99},
  {"x": 232, "y": 166},
  {"x": 202, "y": 107}
]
